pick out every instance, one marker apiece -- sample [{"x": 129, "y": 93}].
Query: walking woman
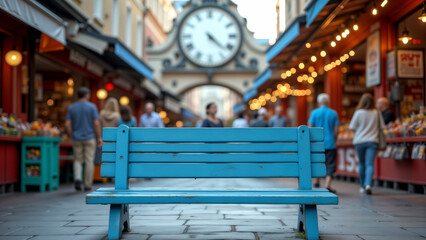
[
  {"x": 366, "y": 122},
  {"x": 211, "y": 120},
  {"x": 126, "y": 117}
]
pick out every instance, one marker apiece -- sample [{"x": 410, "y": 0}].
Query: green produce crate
[{"x": 40, "y": 162}]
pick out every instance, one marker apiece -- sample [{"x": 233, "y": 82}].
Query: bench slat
[
  {"x": 162, "y": 189},
  {"x": 212, "y": 170},
  {"x": 212, "y": 158},
  {"x": 217, "y": 197},
  {"x": 218, "y": 135},
  {"x": 212, "y": 147}
]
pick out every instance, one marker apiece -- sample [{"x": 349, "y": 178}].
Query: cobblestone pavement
[{"x": 63, "y": 215}]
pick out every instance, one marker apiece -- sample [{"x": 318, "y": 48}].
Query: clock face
[{"x": 210, "y": 36}]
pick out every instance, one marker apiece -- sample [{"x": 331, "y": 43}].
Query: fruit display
[
  {"x": 32, "y": 170},
  {"x": 9, "y": 126},
  {"x": 33, "y": 153},
  {"x": 410, "y": 126}
]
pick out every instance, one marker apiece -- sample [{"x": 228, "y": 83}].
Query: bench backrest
[{"x": 213, "y": 153}]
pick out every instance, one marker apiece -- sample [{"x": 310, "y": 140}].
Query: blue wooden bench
[{"x": 212, "y": 153}]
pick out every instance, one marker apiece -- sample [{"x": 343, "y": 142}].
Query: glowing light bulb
[
  {"x": 338, "y": 38},
  {"x": 301, "y": 65},
  {"x": 405, "y": 40},
  {"x": 355, "y": 27},
  {"x": 313, "y": 59},
  {"x": 347, "y": 31},
  {"x": 293, "y": 70},
  {"x": 308, "y": 45},
  {"x": 352, "y": 53},
  {"x": 323, "y": 53},
  {"x": 314, "y": 74},
  {"x": 374, "y": 11},
  {"x": 344, "y": 35},
  {"x": 384, "y": 3},
  {"x": 333, "y": 43}
]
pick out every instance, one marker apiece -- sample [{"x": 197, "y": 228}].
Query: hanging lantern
[
  {"x": 423, "y": 16},
  {"x": 405, "y": 38},
  {"x": 102, "y": 94},
  {"x": 109, "y": 86},
  {"x": 124, "y": 101},
  {"x": 13, "y": 58}
]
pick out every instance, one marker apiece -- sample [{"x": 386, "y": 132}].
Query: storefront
[{"x": 348, "y": 48}]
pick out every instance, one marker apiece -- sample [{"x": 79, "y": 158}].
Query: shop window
[
  {"x": 97, "y": 12},
  {"x": 139, "y": 41},
  {"x": 129, "y": 25},
  {"x": 115, "y": 17}
]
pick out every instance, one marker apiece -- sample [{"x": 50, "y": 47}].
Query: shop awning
[
  {"x": 238, "y": 108},
  {"x": 312, "y": 9},
  {"x": 285, "y": 39},
  {"x": 113, "y": 51},
  {"x": 259, "y": 81},
  {"x": 36, "y": 16}
]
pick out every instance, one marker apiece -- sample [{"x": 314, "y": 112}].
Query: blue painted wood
[
  {"x": 283, "y": 41},
  {"x": 313, "y": 9},
  {"x": 208, "y": 135},
  {"x": 305, "y": 172},
  {"x": 213, "y": 197},
  {"x": 213, "y": 158},
  {"x": 212, "y": 170},
  {"x": 115, "y": 228},
  {"x": 212, "y": 147},
  {"x": 308, "y": 221},
  {"x": 263, "y": 77},
  {"x": 121, "y": 158},
  {"x": 162, "y": 189}
]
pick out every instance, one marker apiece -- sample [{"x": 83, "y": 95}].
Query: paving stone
[
  {"x": 156, "y": 229},
  {"x": 264, "y": 229},
  {"x": 419, "y": 230},
  {"x": 235, "y": 222},
  {"x": 274, "y": 236},
  {"x": 228, "y": 236},
  {"x": 209, "y": 229},
  {"x": 46, "y": 231},
  {"x": 15, "y": 237},
  {"x": 250, "y": 217},
  {"x": 35, "y": 223},
  {"x": 339, "y": 237},
  {"x": 141, "y": 222},
  {"x": 201, "y": 216},
  {"x": 161, "y": 217},
  {"x": 390, "y": 237},
  {"x": 84, "y": 223},
  {"x": 73, "y": 237},
  {"x": 94, "y": 231}
]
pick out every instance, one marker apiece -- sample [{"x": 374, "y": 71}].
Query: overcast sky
[{"x": 261, "y": 18}]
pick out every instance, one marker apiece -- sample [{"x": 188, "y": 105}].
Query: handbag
[{"x": 382, "y": 137}]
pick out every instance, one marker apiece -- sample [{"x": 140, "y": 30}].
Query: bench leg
[
  {"x": 118, "y": 220},
  {"x": 308, "y": 221}
]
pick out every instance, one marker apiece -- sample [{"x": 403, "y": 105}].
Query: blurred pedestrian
[
  {"x": 241, "y": 121},
  {"x": 326, "y": 118},
  {"x": 110, "y": 114},
  {"x": 260, "y": 121},
  {"x": 366, "y": 122},
  {"x": 83, "y": 127},
  {"x": 278, "y": 120},
  {"x": 383, "y": 106},
  {"x": 150, "y": 119},
  {"x": 126, "y": 117},
  {"x": 211, "y": 120}
]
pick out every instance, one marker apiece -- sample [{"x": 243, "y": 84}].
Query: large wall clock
[{"x": 210, "y": 36}]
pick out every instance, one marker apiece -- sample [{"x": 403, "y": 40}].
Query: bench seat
[{"x": 211, "y": 196}]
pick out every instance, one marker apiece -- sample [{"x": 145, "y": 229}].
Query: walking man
[
  {"x": 150, "y": 119},
  {"x": 278, "y": 120},
  {"x": 83, "y": 127},
  {"x": 327, "y": 119},
  {"x": 260, "y": 120}
]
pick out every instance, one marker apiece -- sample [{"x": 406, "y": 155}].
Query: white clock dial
[{"x": 210, "y": 36}]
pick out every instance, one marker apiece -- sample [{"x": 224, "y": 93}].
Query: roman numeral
[
  {"x": 210, "y": 58},
  {"x": 209, "y": 14},
  {"x": 229, "y": 25},
  {"x": 187, "y": 36},
  {"x": 229, "y": 47},
  {"x": 190, "y": 47},
  {"x": 232, "y": 35},
  {"x": 221, "y": 16},
  {"x": 190, "y": 25},
  {"x": 198, "y": 17},
  {"x": 198, "y": 55}
]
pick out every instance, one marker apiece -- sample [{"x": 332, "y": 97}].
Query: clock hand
[{"x": 214, "y": 40}]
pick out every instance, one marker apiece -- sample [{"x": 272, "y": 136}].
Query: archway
[{"x": 197, "y": 97}]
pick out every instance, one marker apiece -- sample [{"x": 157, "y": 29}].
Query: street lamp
[
  {"x": 102, "y": 94},
  {"x": 13, "y": 58}
]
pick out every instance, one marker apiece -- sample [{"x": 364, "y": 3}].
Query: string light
[
  {"x": 347, "y": 31},
  {"x": 293, "y": 70},
  {"x": 288, "y": 73},
  {"x": 352, "y": 53},
  {"x": 301, "y": 65},
  {"x": 384, "y": 3},
  {"x": 374, "y": 10},
  {"x": 333, "y": 43},
  {"x": 344, "y": 35},
  {"x": 338, "y": 37},
  {"x": 323, "y": 53},
  {"x": 308, "y": 45},
  {"x": 423, "y": 16},
  {"x": 311, "y": 69},
  {"x": 313, "y": 59},
  {"x": 355, "y": 27}
]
